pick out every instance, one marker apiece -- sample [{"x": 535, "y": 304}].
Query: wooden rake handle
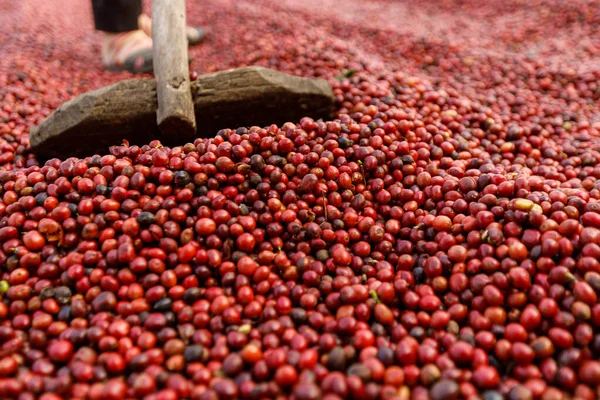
[{"x": 175, "y": 113}]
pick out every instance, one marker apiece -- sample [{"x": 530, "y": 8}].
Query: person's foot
[
  {"x": 127, "y": 51},
  {"x": 194, "y": 35}
]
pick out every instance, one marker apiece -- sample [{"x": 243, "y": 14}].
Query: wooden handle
[{"x": 175, "y": 113}]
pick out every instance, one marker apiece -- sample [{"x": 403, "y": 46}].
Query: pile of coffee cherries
[{"x": 439, "y": 239}]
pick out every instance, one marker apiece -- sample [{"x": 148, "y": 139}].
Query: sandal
[
  {"x": 195, "y": 35},
  {"x": 137, "y": 63},
  {"x": 127, "y": 51}
]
